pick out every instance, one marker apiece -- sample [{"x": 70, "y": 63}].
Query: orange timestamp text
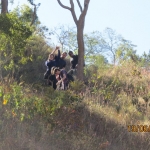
[{"x": 138, "y": 128}]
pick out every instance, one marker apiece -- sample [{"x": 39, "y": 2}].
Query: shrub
[
  {"x": 26, "y": 102},
  {"x": 77, "y": 86}
]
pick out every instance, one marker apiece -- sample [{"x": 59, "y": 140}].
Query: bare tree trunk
[
  {"x": 80, "y": 27},
  {"x": 80, "y": 40},
  {"x": 4, "y": 4}
]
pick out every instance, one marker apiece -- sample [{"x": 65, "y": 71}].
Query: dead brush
[{"x": 128, "y": 81}]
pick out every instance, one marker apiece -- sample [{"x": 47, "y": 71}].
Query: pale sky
[{"x": 130, "y": 18}]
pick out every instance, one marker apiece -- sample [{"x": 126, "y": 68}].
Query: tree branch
[
  {"x": 79, "y": 5},
  {"x": 66, "y": 7},
  {"x": 73, "y": 12},
  {"x": 86, "y": 3},
  {"x": 34, "y": 15},
  {"x": 83, "y": 14}
]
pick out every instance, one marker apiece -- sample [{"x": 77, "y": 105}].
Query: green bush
[
  {"x": 26, "y": 102},
  {"x": 77, "y": 86}
]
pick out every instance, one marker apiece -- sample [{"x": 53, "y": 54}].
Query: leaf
[
  {"x": 1, "y": 94},
  {"x": 5, "y": 102},
  {"x": 22, "y": 116}
]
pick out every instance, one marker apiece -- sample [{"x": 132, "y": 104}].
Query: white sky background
[{"x": 130, "y": 18}]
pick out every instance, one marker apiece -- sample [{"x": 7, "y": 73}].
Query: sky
[{"x": 129, "y": 18}]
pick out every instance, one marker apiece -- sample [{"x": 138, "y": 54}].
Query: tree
[
  {"x": 97, "y": 60},
  {"x": 34, "y": 15},
  {"x": 111, "y": 43},
  {"x": 66, "y": 36},
  {"x": 80, "y": 28},
  {"x": 4, "y": 6},
  {"x": 144, "y": 60},
  {"x": 13, "y": 38},
  {"x": 125, "y": 51},
  {"x": 94, "y": 43}
]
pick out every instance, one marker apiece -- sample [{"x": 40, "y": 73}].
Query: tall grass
[{"x": 37, "y": 117}]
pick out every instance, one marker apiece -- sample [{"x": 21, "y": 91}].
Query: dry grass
[
  {"x": 87, "y": 127},
  {"x": 90, "y": 125}
]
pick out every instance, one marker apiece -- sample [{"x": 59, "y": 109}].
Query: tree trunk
[
  {"x": 80, "y": 39},
  {"x": 80, "y": 27},
  {"x": 4, "y": 8}
]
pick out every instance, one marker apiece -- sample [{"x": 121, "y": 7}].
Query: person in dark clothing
[
  {"x": 74, "y": 63},
  {"x": 74, "y": 60},
  {"x": 49, "y": 64},
  {"x": 60, "y": 58},
  {"x": 53, "y": 81},
  {"x": 61, "y": 76},
  {"x": 52, "y": 78},
  {"x": 59, "y": 62}
]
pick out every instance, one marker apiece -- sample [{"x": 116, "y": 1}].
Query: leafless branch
[
  {"x": 73, "y": 12},
  {"x": 79, "y": 5},
  {"x": 83, "y": 14},
  {"x": 66, "y": 7},
  {"x": 86, "y": 2},
  {"x": 71, "y": 9},
  {"x": 34, "y": 15}
]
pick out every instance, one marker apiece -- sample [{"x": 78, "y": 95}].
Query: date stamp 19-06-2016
[{"x": 138, "y": 128}]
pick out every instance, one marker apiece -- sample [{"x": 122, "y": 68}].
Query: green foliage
[
  {"x": 25, "y": 14},
  {"x": 145, "y": 60},
  {"x": 25, "y": 102},
  {"x": 37, "y": 51},
  {"x": 14, "y": 29},
  {"x": 22, "y": 48},
  {"x": 15, "y": 34},
  {"x": 125, "y": 51},
  {"x": 93, "y": 43},
  {"x": 77, "y": 86},
  {"x": 96, "y": 60}
]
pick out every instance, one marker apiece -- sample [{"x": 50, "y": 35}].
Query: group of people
[{"x": 56, "y": 74}]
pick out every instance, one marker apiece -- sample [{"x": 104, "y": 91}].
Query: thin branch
[
  {"x": 66, "y": 7},
  {"x": 79, "y": 5},
  {"x": 86, "y": 3},
  {"x": 83, "y": 14},
  {"x": 34, "y": 15},
  {"x": 73, "y": 12}
]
